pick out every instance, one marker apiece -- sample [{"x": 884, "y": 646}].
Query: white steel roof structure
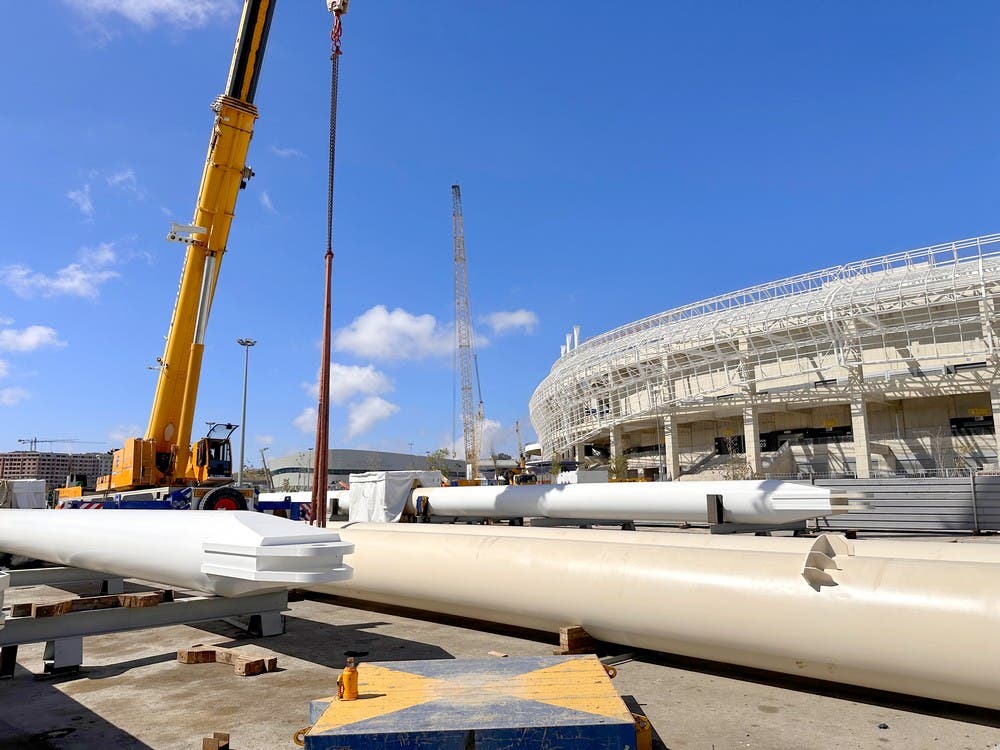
[{"x": 921, "y": 320}]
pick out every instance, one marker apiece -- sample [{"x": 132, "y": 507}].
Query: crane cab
[{"x": 212, "y": 457}]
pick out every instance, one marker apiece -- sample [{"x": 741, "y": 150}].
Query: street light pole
[{"x": 246, "y": 344}]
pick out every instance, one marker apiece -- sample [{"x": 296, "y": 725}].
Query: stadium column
[
  {"x": 862, "y": 446},
  {"x": 671, "y": 450},
  {"x": 751, "y": 439},
  {"x": 579, "y": 453},
  {"x": 995, "y": 405},
  {"x": 615, "y": 438}
]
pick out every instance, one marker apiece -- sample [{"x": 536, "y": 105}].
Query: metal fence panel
[{"x": 926, "y": 504}]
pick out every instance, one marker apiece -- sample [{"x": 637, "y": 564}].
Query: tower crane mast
[{"x": 472, "y": 417}]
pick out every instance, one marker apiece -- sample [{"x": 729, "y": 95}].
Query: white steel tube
[
  {"x": 224, "y": 553},
  {"x": 769, "y": 501},
  {"x": 879, "y": 622}
]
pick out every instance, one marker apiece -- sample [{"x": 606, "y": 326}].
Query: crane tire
[{"x": 224, "y": 498}]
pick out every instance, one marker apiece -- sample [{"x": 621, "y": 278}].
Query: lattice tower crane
[{"x": 468, "y": 367}]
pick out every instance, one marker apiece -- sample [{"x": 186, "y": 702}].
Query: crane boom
[
  {"x": 225, "y": 173},
  {"x": 162, "y": 457},
  {"x": 471, "y": 418}
]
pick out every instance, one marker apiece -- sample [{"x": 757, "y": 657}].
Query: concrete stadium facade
[{"x": 887, "y": 366}]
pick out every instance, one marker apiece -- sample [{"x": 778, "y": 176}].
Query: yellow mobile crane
[{"x": 162, "y": 466}]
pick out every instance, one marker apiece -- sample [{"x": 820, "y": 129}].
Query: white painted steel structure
[
  {"x": 751, "y": 502},
  {"x": 911, "y": 324},
  {"x": 224, "y": 553},
  {"x": 882, "y": 615}
]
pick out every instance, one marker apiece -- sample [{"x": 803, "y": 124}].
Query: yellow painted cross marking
[
  {"x": 575, "y": 684},
  {"x": 578, "y": 684}
]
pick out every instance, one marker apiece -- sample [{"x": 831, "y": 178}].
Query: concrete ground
[{"x": 132, "y": 693}]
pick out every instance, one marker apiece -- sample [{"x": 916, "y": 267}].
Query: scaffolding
[{"x": 915, "y": 322}]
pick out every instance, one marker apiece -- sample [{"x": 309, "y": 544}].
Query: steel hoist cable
[{"x": 320, "y": 473}]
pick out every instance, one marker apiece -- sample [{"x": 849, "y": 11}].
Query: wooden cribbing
[
  {"x": 574, "y": 640},
  {"x": 89, "y": 603},
  {"x": 245, "y": 665}
]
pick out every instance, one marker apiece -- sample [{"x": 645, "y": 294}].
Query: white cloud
[
  {"x": 149, "y": 13},
  {"x": 364, "y": 415},
  {"x": 121, "y": 433},
  {"x": 102, "y": 255},
  {"x": 265, "y": 201},
  {"x": 28, "y": 339},
  {"x": 493, "y": 438},
  {"x": 125, "y": 179},
  {"x": 380, "y": 334},
  {"x": 12, "y": 396},
  {"x": 286, "y": 153},
  {"x": 264, "y": 440},
  {"x": 4, "y": 369},
  {"x": 80, "y": 279},
  {"x": 306, "y": 421},
  {"x": 347, "y": 381},
  {"x": 82, "y": 200},
  {"x": 502, "y": 322}
]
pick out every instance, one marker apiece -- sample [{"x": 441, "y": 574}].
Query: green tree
[
  {"x": 438, "y": 461},
  {"x": 618, "y": 469},
  {"x": 556, "y": 465}
]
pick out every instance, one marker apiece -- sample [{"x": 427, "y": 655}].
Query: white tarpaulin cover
[
  {"x": 381, "y": 496},
  {"x": 22, "y": 493}
]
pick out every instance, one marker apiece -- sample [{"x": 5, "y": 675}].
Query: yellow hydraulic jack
[{"x": 347, "y": 683}]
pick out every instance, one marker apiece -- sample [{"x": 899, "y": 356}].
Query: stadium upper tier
[{"x": 901, "y": 320}]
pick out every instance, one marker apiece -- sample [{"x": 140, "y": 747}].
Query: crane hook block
[{"x": 337, "y": 6}]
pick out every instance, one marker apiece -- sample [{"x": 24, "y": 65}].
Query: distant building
[
  {"x": 54, "y": 468},
  {"x": 295, "y": 471}
]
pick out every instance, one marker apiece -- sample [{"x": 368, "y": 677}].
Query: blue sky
[{"x": 614, "y": 162}]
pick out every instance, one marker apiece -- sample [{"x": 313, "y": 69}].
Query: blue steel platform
[{"x": 546, "y": 702}]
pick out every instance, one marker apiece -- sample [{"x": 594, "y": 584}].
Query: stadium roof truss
[{"x": 864, "y": 324}]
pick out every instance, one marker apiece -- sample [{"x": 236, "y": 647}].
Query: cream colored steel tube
[
  {"x": 218, "y": 552},
  {"x": 917, "y": 626},
  {"x": 967, "y": 551},
  {"x": 769, "y": 501}
]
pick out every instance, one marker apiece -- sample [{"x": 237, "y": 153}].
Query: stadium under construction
[{"x": 876, "y": 368}]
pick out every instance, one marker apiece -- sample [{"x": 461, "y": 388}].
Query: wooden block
[
  {"x": 91, "y": 603},
  {"x": 143, "y": 599},
  {"x": 574, "y": 637},
  {"x": 218, "y": 741},
  {"x": 245, "y": 665},
  {"x": 196, "y": 655}
]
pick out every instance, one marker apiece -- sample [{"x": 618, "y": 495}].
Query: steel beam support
[{"x": 20, "y": 630}]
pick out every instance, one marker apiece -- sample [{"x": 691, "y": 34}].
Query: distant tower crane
[{"x": 468, "y": 366}]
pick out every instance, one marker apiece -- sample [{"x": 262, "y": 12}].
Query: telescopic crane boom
[{"x": 164, "y": 456}]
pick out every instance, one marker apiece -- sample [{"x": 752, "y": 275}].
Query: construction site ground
[{"x": 132, "y": 692}]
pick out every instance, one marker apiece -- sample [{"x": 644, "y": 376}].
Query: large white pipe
[
  {"x": 224, "y": 553},
  {"x": 761, "y": 502},
  {"x": 945, "y": 551},
  {"x": 835, "y": 612}
]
